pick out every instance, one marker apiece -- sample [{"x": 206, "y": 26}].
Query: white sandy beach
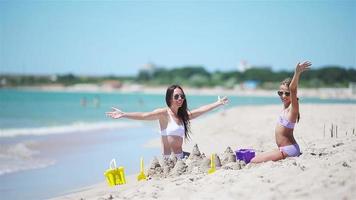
[{"x": 325, "y": 170}]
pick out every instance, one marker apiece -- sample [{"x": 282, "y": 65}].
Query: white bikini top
[{"x": 173, "y": 128}]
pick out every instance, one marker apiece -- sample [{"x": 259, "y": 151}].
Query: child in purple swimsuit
[{"x": 287, "y": 145}]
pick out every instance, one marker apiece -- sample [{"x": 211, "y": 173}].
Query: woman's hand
[
  {"x": 115, "y": 113},
  {"x": 301, "y": 67},
  {"x": 223, "y": 101}
]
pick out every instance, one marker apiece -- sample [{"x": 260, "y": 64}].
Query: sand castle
[{"x": 195, "y": 163}]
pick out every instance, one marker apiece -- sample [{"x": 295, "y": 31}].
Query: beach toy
[
  {"x": 141, "y": 176},
  {"x": 212, "y": 164},
  {"x": 115, "y": 175},
  {"x": 245, "y": 154}
]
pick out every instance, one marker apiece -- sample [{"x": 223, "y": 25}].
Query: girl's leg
[{"x": 269, "y": 156}]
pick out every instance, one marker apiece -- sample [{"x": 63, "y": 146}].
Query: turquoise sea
[{"x": 52, "y": 143}]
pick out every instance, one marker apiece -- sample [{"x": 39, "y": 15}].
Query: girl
[
  {"x": 174, "y": 120},
  {"x": 286, "y": 120}
]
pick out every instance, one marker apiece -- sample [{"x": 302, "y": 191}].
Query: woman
[
  {"x": 174, "y": 120},
  {"x": 287, "y": 145}
]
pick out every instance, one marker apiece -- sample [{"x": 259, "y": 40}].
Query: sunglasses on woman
[
  {"x": 176, "y": 96},
  {"x": 280, "y": 93}
]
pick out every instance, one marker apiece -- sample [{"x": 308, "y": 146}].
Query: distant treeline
[
  {"x": 10, "y": 80},
  {"x": 197, "y": 76},
  {"x": 264, "y": 77}
]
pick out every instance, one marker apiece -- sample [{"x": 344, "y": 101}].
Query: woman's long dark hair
[
  {"x": 287, "y": 82},
  {"x": 182, "y": 111}
]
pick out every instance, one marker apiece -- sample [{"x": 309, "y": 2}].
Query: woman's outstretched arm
[
  {"x": 206, "y": 108},
  {"x": 154, "y": 115},
  {"x": 301, "y": 67}
]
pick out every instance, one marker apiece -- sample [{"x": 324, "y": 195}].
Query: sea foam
[
  {"x": 20, "y": 157},
  {"x": 65, "y": 129}
]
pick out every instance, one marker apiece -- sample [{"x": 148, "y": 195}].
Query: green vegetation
[
  {"x": 197, "y": 76},
  {"x": 65, "y": 80},
  {"x": 264, "y": 77}
]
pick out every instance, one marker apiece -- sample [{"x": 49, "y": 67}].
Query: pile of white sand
[{"x": 196, "y": 164}]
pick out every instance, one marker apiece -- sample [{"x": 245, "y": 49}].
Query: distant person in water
[
  {"x": 141, "y": 102},
  {"x": 96, "y": 101},
  {"x": 83, "y": 102},
  {"x": 174, "y": 120},
  {"x": 287, "y": 145}
]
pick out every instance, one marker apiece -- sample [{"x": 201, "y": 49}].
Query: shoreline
[
  {"x": 328, "y": 159},
  {"x": 78, "y": 159},
  {"x": 323, "y": 93}
]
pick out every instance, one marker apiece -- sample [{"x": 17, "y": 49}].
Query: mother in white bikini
[
  {"x": 287, "y": 145},
  {"x": 174, "y": 120}
]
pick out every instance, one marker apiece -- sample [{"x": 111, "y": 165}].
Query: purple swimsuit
[
  {"x": 293, "y": 149},
  {"x": 282, "y": 120}
]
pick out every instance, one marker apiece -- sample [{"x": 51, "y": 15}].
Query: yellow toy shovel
[
  {"x": 212, "y": 164},
  {"x": 141, "y": 176}
]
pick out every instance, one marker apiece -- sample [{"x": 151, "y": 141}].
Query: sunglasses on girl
[
  {"x": 176, "y": 96},
  {"x": 280, "y": 93}
]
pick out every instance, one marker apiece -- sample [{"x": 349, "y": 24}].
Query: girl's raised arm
[
  {"x": 301, "y": 67},
  {"x": 199, "y": 111},
  {"x": 154, "y": 115}
]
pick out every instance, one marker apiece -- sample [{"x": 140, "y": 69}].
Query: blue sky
[{"x": 119, "y": 37}]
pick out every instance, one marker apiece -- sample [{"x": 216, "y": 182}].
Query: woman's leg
[{"x": 269, "y": 156}]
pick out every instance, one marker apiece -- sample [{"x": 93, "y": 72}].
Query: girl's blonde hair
[{"x": 286, "y": 82}]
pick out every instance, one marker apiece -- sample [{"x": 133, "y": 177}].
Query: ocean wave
[
  {"x": 72, "y": 128},
  {"x": 20, "y": 157},
  {"x": 21, "y": 165},
  {"x": 19, "y": 150}
]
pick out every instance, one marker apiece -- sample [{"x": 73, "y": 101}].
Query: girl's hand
[
  {"x": 301, "y": 67},
  {"x": 115, "y": 113},
  {"x": 223, "y": 101}
]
